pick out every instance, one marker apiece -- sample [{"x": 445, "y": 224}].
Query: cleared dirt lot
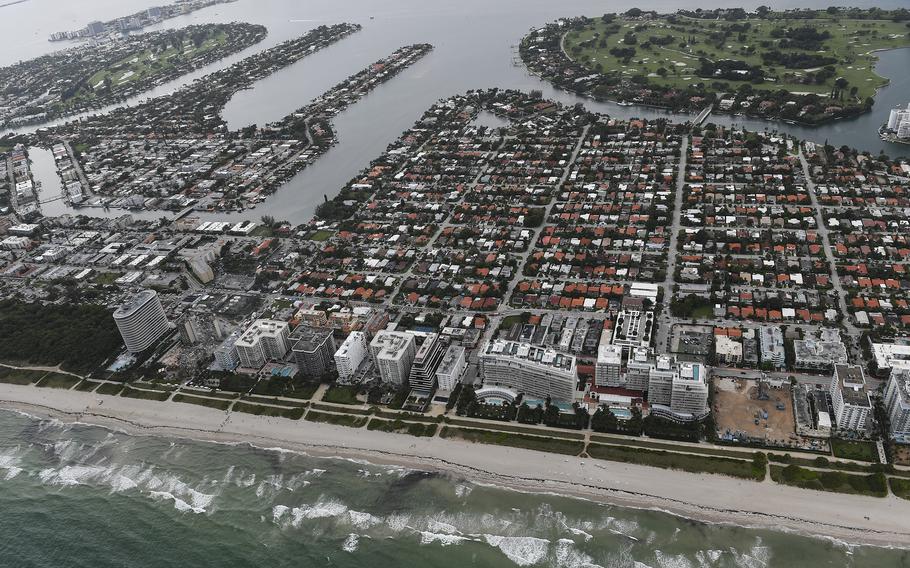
[{"x": 736, "y": 408}]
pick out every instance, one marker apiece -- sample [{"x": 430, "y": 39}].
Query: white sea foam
[
  {"x": 363, "y": 521},
  {"x": 323, "y": 508},
  {"x": 665, "y": 560},
  {"x": 567, "y": 556},
  {"x": 462, "y": 490},
  {"x": 759, "y": 556},
  {"x": 279, "y": 511},
  {"x": 441, "y": 527},
  {"x": 522, "y": 550},
  {"x": 445, "y": 539},
  {"x": 351, "y": 543},
  {"x": 10, "y": 461},
  {"x": 579, "y": 532},
  {"x": 179, "y": 503},
  {"x": 708, "y": 557},
  {"x": 398, "y": 522}
]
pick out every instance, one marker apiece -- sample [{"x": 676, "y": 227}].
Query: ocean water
[{"x": 78, "y": 495}]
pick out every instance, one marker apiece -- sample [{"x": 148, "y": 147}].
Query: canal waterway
[{"x": 475, "y": 47}]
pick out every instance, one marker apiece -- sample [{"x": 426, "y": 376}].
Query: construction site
[{"x": 754, "y": 411}]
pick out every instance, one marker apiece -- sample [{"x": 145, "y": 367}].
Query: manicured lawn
[
  {"x": 686, "y": 41},
  {"x": 854, "y": 450},
  {"x": 337, "y": 419},
  {"x": 539, "y": 443},
  {"x": 836, "y": 481},
  {"x": 58, "y": 381},
  {"x": 144, "y": 394},
  {"x": 321, "y": 235},
  {"x": 261, "y": 410},
  {"x": 685, "y": 462},
  {"x": 209, "y": 402},
  {"x": 145, "y": 65},
  {"x": 339, "y": 394}
]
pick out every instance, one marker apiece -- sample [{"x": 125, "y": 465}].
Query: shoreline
[{"x": 713, "y": 499}]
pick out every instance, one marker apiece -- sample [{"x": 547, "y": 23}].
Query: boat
[{"x": 624, "y": 103}]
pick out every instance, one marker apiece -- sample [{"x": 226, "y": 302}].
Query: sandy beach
[{"x": 710, "y": 498}]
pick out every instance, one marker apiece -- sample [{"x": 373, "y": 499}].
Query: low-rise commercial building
[
  {"x": 727, "y": 350},
  {"x": 818, "y": 355},
  {"x": 771, "y": 344}
]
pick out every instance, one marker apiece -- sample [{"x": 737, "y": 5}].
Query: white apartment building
[
  {"x": 660, "y": 381},
  {"x": 393, "y": 353},
  {"x": 897, "y": 402},
  {"x": 608, "y": 370},
  {"x": 529, "y": 369},
  {"x": 899, "y": 121},
  {"x": 226, "y": 354},
  {"x": 452, "y": 368},
  {"x": 638, "y": 370},
  {"x": 351, "y": 354},
  {"x": 427, "y": 359},
  {"x": 690, "y": 389},
  {"x": 850, "y": 401},
  {"x": 265, "y": 339},
  {"x": 141, "y": 321}
]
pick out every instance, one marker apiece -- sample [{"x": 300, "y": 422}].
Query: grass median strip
[
  {"x": 337, "y": 419},
  {"x": 20, "y": 376},
  {"x": 130, "y": 392},
  {"x": 414, "y": 429},
  {"x": 218, "y": 404},
  {"x": 253, "y": 399},
  {"x": 854, "y": 450},
  {"x": 110, "y": 388},
  {"x": 495, "y": 425},
  {"x": 836, "y": 481},
  {"x": 342, "y": 409},
  {"x": 745, "y": 469},
  {"x": 900, "y": 487},
  {"x": 539, "y": 443},
  {"x": 87, "y": 385},
  {"x": 651, "y": 445},
  {"x": 58, "y": 381},
  {"x": 271, "y": 411}
]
